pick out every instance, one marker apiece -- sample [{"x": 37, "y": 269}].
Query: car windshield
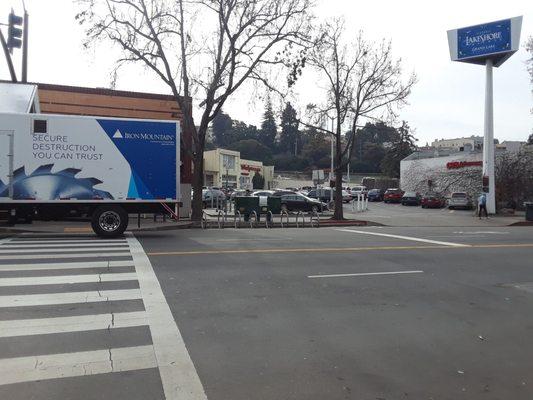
[{"x": 410, "y": 194}]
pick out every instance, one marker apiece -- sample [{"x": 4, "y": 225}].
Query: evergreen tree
[
  {"x": 269, "y": 129},
  {"x": 290, "y": 140},
  {"x": 222, "y": 129},
  {"x": 402, "y": 145}
]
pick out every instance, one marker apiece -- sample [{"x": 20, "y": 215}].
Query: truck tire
[{"x": 109, "y": 221}]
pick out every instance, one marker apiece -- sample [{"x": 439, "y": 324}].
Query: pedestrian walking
[{"x": 482, "y": 205}]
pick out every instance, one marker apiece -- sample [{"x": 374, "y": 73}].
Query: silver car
[{"x": 460, "y": 200}]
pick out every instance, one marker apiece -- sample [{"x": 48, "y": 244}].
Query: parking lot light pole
[
  {"x": 331, "y": 164},
  {"x": 488, "y": 139}
]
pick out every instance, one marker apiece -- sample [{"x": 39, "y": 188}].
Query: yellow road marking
[{"x": 332, "y": 249}]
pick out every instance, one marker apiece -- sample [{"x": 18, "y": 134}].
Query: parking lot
[{"x": 411, "y": 216}]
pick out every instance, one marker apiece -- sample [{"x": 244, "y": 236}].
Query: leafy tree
[
  {"x": 288, "y": 162},
  {"x": 360, "y": 80},
  {"x": 402, "y": 146},
  {"x": 290, "y": 140},
  {"x": 241, "y": 41},
  {"x": 316, "y": 149},
  {"x": 252, "y": 149},
  {"x": 258, "y": 181},
  {"x": 530, "y": 140},
  {"x": 269, "y": 129},
  {"x": 529, "y": 48},
  {"x": 222, "y": 127}
]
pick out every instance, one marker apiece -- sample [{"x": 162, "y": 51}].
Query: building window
[{"x": 228, "y": 161}]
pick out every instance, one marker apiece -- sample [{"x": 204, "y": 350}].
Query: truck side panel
[{"x": 57, "y": 158}]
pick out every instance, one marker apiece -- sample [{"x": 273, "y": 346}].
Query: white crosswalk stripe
[
  {"x": 36, "y": 368},
  {"x": 37, "y": 257},
  {"x": 69, "y": 298},
  {"x": 62, "y": 249},
  {"x": 44, "y": 326},
  {"x": 66, "y": 265},
  {"x": 57, "y": 256},
  {"x": 67, "y": 279}
]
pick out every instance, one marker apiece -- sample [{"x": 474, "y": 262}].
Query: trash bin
[
  {"x": 246, "y": 205},
  {"x": 274, "y": 204},
  {"x": 529, "y": 211}
]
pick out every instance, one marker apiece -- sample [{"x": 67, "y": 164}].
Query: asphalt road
[{"x": 329, "y": 313}]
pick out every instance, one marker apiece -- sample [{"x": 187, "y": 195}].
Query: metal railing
[
  {"x": 315, "y": 220},
  {"x": 283, "y": 212},
  {"x": 253, "y": 221},
  {"x": 237, "y": 214},
  {"x": 298, "y": 215},
  {"x": 269, "y": 219}
]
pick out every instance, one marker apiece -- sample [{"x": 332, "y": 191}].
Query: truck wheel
[{"x": 109, "y": 221}]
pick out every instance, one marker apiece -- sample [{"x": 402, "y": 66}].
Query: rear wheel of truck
[{"x": 109, "y": 221}]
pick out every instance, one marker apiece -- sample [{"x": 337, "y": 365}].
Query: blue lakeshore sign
[
  {"x": 495, "y": 41},
  {"x": 483, "y": 40}
]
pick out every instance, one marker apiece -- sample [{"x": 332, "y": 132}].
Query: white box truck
[{"x": 54, "y": 167}]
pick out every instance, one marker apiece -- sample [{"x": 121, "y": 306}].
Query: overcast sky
[{"x": 446, "y": 102}]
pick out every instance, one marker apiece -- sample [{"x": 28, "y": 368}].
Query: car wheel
[
  {"x": 109, "y": 221},
  {"x": 451, "y": 207}
]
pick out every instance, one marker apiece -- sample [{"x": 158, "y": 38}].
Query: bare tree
[
  {"x": 204, "y": 61},
  {"x": 514, "y": 178},
  {"x": 361, "y": 80}
]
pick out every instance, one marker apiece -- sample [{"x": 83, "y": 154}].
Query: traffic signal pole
[
  {"x": 8, "y": 58},
  {"x": 25, "y": 48}
]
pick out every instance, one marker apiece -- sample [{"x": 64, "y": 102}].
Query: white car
[{"x": 356, "y": 190}]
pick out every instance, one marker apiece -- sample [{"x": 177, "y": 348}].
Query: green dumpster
[
  {"x": 274, "y": 204},
  {"x": 246, "y": 205}
]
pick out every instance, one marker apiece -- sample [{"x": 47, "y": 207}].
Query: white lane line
[
  {"x": 60, "y": 241},
  {"x": 45, "y": 326},
  {"x": 414, "y": 239},
  {"x": 57, "y": 256},
  {"x": 62, "y": 250},
  {"x": 178, "y": 374},
  {"x": 65, "y": 245},
  {"x": 68, "y": 279},
  {"x": 53, "y": 366},
  {"x": 66, "y": 265},
  {"x": 69, "y": 298},
  {"x": 365, "y": 274}
]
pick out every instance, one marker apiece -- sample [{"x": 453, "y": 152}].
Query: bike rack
[
  {"x": 237, "y": 213},
  {"x": 269, "y": 219},
  {"x": 204, "y": 221},
  {"x": 253, "y": 222},
  {"x": 298, "y": 214},
  {"x": 220, "y": 214},
  {"x": 315, "y": 218},
  {"x": 281, "y": 218}
]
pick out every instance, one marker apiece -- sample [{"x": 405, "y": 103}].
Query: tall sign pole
[
  {"x": 489, "y": 44},
  {"x": 488, "y": 141}
]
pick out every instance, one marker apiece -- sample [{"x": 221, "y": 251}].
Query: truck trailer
[{"x": 57, "y": 167}]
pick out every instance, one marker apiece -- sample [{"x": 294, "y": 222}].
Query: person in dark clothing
[{"x": 482, "y": 202}]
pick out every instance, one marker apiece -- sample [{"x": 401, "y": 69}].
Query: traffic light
[{"x": 14, "y": 38}]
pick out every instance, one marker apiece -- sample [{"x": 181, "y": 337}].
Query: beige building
[
  {"x": 226, "y": 168},
  {"x": 459, "y": 144}
]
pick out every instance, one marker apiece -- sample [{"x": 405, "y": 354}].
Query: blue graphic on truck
[
  {"x": 149, "y": 147},
  {"x": 43, "y": 184}
]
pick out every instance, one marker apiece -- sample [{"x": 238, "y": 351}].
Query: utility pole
[{"x": 488, "y": 139}]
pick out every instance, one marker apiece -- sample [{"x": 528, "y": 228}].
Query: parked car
[
  {"x": 263, "y": 193},
  {"x": 432, "y": 201},
  {"x": 299, "y": 202},
  {"x": 393, "y": 196},
  {"x": 359, "y": 189},
  {"x": 375, "y": 195},
  {"x": 325, "y": 193},
  {"x": 237, "y": 193},
  {"x": 411, "y": 199},
  {"x": 211, "y": 196},
  {"x": 460, "y": 200}
]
